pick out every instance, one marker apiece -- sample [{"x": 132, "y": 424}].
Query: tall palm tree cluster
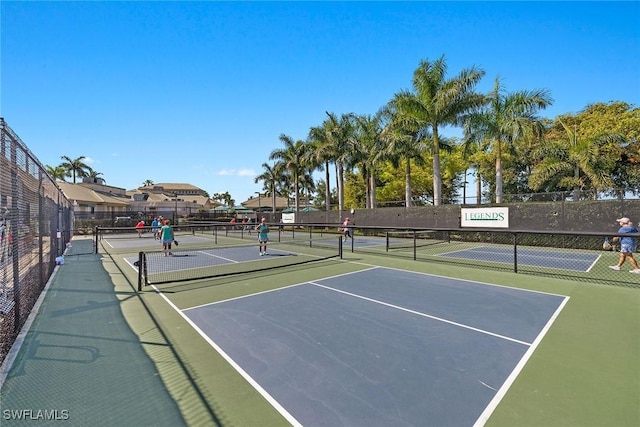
[{"x": 403, "y": 142}]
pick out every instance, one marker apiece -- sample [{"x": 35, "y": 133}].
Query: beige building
[
  {"x": 265, "y": 203},
  {"x": 93, "y": 199},
  {"x": 178, "y": 199}
]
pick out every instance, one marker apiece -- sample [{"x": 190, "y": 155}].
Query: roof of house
[
  {"x": 169, "y": 187},
  {"x": 82, "y": 194},
  {"x": 265, "y": 202}
]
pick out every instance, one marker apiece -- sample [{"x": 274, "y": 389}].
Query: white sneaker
[
  {"x": 614, "y": 267},
  {"x": 261, "y": 253},
  {"x": 636, "y": 271}
]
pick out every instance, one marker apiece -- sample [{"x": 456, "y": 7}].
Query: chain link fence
[{"x": 35, "y": 228}]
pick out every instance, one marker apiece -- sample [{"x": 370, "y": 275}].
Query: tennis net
[{"x": 179, "y": 265}]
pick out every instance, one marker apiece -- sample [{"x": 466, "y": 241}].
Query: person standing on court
[
  {"x": 140, "y": 227},
  {"x": 167, "y": 237},
  {"x": 628, "y": 245},
  {"x": 346, "y": 229},
  {"x": 155, "y": 228},
  {"x": 263, "y": 236}
]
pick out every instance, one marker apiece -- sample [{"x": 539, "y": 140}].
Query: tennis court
[
  {"x": 369, "y": 338},
  {"x": 351, "y": 350}
]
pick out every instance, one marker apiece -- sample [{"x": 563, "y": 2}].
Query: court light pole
[
  {"x": 259, "y": 203},
  {"x": 175, "y": 212}
]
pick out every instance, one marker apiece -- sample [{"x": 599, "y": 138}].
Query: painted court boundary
[{"x": 484, "y": 416}]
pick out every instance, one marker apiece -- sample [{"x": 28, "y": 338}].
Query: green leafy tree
[{"x": 571, "y": 159}]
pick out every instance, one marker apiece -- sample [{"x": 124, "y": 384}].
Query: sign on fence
[
  {"x": 289, "y": 218},
  {"x": 484, "y": 217}
]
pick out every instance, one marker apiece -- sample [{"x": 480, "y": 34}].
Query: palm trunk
[
  {"x": 340, "y": 187},
  {"x": 576, "y": 188},
  {"x": 437, "y": 176},
  {"x": 407, "y": 184},
  {"x": 327, "y": 191},
  {"x": 372, "y": 193},
  {"x": 499, "y": 172}
]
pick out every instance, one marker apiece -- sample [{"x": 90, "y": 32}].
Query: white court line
[
  {"x": 594, "y": 263},
  {"x": 274, "y": 290},
  {"x": 484, "y": 417},
  {"x": 220, "y": 257},
  {"x": 276, "y": 405},
  {"x": 440, "y": 319}
]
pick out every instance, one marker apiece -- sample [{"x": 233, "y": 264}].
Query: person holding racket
[
  {"x": 628, "y": 245},
  {"x": 263, "y": 236}
]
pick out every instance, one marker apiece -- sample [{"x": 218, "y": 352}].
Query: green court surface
[{"x": 104, "y": 354}]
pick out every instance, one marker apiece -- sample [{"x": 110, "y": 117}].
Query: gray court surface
[
  {"x": 147, "y": 241},
  {"x": 192, "y": 259},
  {"x": 380, "y": 347},
  {"x": 530, "y": 257}
]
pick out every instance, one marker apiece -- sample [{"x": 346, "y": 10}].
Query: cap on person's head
[
  {"x": 623, "y": 220},
  {"x": 263, "y": 219}
]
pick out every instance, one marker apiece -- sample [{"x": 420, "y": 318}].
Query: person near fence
[
  {"x": 155, "y": 228},
  {"x": 263, "y": 236},
  {"x": 628, "y": 245},
  {"x": 167, "y": 237},
  {"x": 140, "y": 227}
]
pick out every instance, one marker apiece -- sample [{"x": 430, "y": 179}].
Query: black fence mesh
[{"x": 35, "y": 228}]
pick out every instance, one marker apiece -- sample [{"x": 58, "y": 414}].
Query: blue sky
[{"x": 199, "y": 92}]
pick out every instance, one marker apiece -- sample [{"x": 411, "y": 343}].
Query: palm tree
[
  {"x": 270, "y": 178},
  {"x": 58, "y": 173},
  {"x": 573, "y": 162},
  {"x": 436, "y": 102},
  {"x": 405, "y": 145},
  {"x": 507, "y": 118},
  {"x": 75, "y": 167},
  {"x": 94, "y": 174},
  {"x": 368, "y": 150},
  {"x": 472, "y": 152},
  {"x": 320, "y": 153},
  {"x": 291, "y": 157},
  {"x": 147, "y": 183},
  {"x": 340, "y": 133}
]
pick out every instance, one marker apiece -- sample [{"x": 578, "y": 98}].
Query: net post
[
  {"x": 95, "y": 237},
  {"x": 340, "y": 246},
  {"x": 140, "y": 267},
  {"x": 386, "y": 235},
  {"x": 415, "y": 245}
]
